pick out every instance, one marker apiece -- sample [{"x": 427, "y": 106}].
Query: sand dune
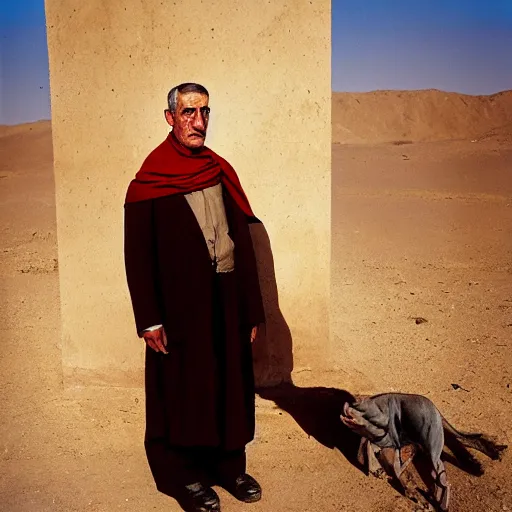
[
  {"x": 20, "y": 129},
  {"x": 427, "y": 115}
]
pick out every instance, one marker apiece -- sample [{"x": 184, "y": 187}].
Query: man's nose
[{"x": 199, "y": 120}]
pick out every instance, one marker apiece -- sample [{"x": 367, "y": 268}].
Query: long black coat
[{"x": 202, "y": 392}]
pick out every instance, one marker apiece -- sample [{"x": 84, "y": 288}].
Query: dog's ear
[
  {"x": 378, "y": 418},
  {"x": 373, "y": 414}
]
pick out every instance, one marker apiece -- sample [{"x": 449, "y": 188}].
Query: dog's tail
[{"x": 478, "y": 441}]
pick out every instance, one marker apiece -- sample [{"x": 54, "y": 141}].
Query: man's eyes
[{"x": 190, "y": 111}]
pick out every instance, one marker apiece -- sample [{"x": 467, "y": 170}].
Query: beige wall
[{"x": 267, "y": 67}]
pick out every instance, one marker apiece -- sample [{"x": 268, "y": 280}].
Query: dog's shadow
[
  {"x": 460, "y": 456},
  {"x": 317, "y": 411}
]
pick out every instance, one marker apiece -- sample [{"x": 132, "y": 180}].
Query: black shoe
[
  {"x": 201, "y": 499},
  {"x": 246, "y": 489}
]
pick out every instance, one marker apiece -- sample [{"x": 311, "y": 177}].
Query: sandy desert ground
[{"x": 421, "y": 228}]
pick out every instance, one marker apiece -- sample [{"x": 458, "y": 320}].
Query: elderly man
[{"x": 193, "y": 282}]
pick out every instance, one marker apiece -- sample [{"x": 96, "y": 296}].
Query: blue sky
[
  {"x": 454, "y": 45},
  {"x": 24, "y": 83}
]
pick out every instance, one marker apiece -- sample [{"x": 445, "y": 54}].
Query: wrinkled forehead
[{"x": 192, "y": 99}]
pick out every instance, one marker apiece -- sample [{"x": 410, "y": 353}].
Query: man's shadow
[
  {"x": 272, "y": 350},
  {"x": 316, "y": 410}
]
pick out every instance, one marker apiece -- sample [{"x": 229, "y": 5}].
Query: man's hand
[
  {"x": 156, "y": 339},
  {"x": 254, "y": 332}
]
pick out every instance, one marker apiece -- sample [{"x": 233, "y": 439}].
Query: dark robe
[{"x": 200, "y": 394}]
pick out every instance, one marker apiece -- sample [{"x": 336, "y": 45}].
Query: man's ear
[{"x": 169, "y": 117}]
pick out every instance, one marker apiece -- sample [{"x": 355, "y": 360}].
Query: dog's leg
[
  {"x": 374, "y": 466},
  {"x": 403, "y": 458},
  {"x": 386, "y": 459},
  {"x": 361, "y": 452},
  {"x": 367, "y": 459},
  {"x": 395, "y": 463},
  {"x": 441, "y": 489}
]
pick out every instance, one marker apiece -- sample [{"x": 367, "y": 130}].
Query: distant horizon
[
  {"x": 424, "y": 90},
  {"x": 332, "y": 92}
]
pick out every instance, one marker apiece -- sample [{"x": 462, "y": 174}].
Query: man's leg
[
  {"x": 229, "y": 465},
  {"x": 229, "y": 468},
  {"x": 178, "y": 473}
]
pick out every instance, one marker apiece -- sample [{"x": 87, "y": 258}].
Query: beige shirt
[{"x": 208, "y": 207}]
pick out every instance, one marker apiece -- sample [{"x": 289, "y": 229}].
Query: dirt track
[{"x": 419, "y": 230}]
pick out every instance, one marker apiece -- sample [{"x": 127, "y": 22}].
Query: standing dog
[{"x": 391, "y": 421}]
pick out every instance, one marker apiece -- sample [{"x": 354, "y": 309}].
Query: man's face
[{"x": 190, "y": 121}]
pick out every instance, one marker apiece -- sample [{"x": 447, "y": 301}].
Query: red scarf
[{"x": 174, "y": 169}]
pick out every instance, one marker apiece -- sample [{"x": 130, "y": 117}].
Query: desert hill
[
  {"x": 21, "y": 129},
  {"x": 383, "y": 116},
  {"x": 26, "y": 148},
  {"x": 424, "y": 115}
]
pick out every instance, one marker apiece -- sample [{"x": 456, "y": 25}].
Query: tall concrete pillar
[{"x": 267, "y": 67}]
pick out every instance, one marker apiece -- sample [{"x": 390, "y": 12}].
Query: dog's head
[{"x": 366, "y": 419}]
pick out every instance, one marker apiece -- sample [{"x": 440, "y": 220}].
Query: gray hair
[{"x": 172, "y": 97}]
